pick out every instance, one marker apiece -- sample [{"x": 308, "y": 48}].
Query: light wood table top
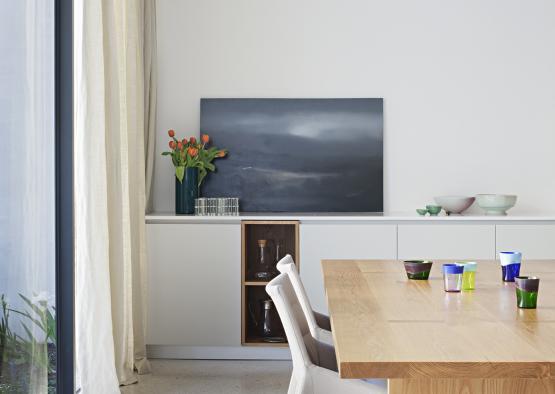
[{"x": 386, "y": 326}]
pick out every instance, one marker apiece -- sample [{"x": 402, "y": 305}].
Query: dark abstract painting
[{"x": 297, "y": 155}]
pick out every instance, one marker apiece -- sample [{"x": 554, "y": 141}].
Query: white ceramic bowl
[
  {"x": 454, "y": 205},
  {"x": 496, "y": 204}
]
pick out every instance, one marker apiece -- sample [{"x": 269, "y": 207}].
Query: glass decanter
[
  {"x": 279, "y": 250},
  {"x": 263, "y": 269}
]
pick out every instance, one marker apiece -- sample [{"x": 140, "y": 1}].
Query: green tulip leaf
[
  {"x": 180, "y": 173},
  {"x": 202, "y": 175}
]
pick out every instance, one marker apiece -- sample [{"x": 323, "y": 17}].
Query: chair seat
[
  {"x": 325, "y": 336},
  {"x": 326, "y": 356},
  {"x": 328, "y": 382},
  {"x": 323, "y": 321}
]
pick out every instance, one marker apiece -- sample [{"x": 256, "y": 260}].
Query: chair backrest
[
  {"x": 303, "y": 346},
  {"x": 287, "y": 266}
]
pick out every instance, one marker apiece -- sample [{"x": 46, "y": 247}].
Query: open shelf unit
[{"x": 253, "y": 292}]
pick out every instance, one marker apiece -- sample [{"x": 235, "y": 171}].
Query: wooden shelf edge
[
  {"x": 278, "y": 222},
  {"x": 265, "y": 344},
  {"x": 255, "y": 283}
]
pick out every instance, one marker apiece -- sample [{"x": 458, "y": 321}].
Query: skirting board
[{"x": 217, "y": 352}]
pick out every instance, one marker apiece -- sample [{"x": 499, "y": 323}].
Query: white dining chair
[
  {"x": 319, "y": 324},
  {"x": 309, "y": 377}
]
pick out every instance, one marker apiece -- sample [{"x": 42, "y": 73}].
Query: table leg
[{"x": 471, "y": 386}]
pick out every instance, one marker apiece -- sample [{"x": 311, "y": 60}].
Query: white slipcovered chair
[
  {"x": 309, "y": 375},
  {"x": 319, "y": 324}
]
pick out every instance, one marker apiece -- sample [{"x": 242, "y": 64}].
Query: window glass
[{"x": 27, "y": 197}]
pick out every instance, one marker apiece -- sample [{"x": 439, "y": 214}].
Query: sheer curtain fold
[
  {"x": 111, "y": 117},
  {"x": 150, "y": 71}
]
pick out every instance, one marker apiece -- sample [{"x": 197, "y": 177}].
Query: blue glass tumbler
[
  {"x": 510, "y": 265},
  {"x": 453, "y": 277}
]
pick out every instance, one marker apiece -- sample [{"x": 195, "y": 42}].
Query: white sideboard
[
  {"x": 194, "y": 265},
  {"x": 194, "y": 297}
]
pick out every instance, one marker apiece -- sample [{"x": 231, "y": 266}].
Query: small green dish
[
  {"x": 421, "y": 211},
  {"x": 418, "y": 269},
  {"x": 433, "y": 209}
]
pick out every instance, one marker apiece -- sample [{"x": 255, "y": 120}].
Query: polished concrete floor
[{"x": 213, "y": 377}]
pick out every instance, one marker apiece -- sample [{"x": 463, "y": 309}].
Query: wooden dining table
[{"x": 425, "y": 340}]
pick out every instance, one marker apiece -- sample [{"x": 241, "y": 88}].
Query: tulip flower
[{"x": 192, "y": 151}]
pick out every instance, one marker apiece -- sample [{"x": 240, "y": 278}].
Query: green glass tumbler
[
  {"x": 527, "y": 291},
  {"x": 418, "y": 269}
]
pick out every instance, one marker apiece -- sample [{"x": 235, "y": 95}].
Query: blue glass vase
[{"x": 186, "y": 192}]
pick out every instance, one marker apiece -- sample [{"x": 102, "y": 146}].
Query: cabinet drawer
[
  {"x": 340, "y": 241},
  {"x": 534, "y": 241},
  {"x": 446, "y": 241},
  {"x": 194, "y": 298}
]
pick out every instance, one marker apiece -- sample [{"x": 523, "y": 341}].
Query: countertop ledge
[{"x": 355, "y": 217}]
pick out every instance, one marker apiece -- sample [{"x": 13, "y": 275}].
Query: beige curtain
[
  {"x": 150, "y": 72},
  {"x": 112, "y": 116}
]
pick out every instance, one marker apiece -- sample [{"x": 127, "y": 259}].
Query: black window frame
[{"x": 63, "y": 18}]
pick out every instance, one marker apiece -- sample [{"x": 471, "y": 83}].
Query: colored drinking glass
[
  {"x": 452, "y": 277},
  {"x": 469, "y": 275},
  {"x": 510, "y": 265},
  {"x": 418, "y": 269},
  {"x": 527, "y": 291}
]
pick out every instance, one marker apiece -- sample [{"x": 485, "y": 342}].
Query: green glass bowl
[
  {"x": 421, "y": 211},
  {"x": 433, "y": 209}
]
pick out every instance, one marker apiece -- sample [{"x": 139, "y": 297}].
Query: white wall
[{"x": 469, "y": 86}]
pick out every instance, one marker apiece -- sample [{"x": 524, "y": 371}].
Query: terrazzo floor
[{"x": 213, "y": 377}]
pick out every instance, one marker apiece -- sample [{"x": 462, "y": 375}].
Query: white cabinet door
[
  {"x": 534, "y": 241},
  {"x": 194, "y": 293},
  {"x": 340, "y": 241},
  {"x": 446, "y": 241}
]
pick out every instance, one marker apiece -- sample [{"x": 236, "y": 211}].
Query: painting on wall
[{"x": 297, "y": 155}]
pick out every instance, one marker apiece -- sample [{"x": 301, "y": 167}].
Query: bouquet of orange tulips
[{"x": 187, "y": 153}]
